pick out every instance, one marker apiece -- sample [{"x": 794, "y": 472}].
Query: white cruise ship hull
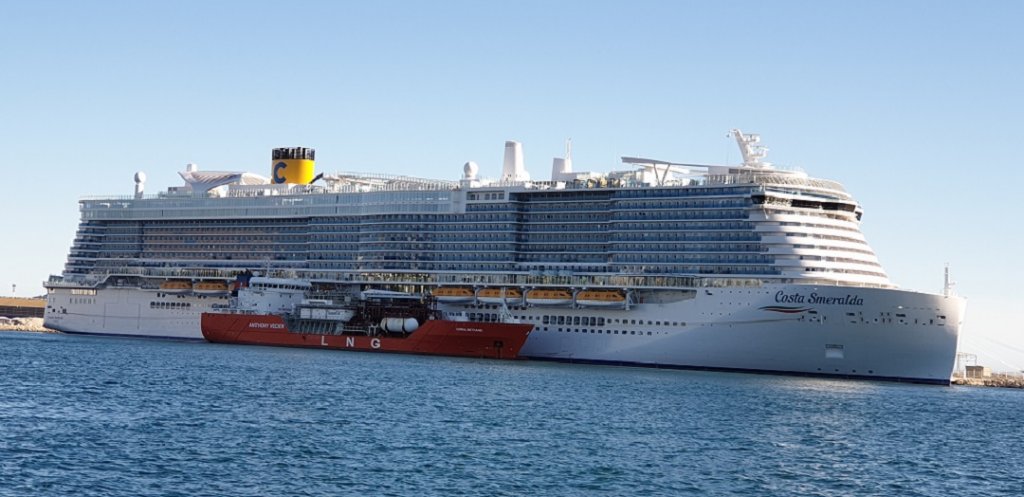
[
  {"x": 848, "y": 332},
  {"x": 792, "y": 329},
  {"x": 127, "y": 312}
]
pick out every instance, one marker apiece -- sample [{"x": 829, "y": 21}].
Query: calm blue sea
[{"x": 90, "y": 416}]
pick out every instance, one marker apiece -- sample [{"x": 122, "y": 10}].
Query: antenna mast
[
  {"x": 751, "y": 149},
  {"x": 947, "y": 284}
]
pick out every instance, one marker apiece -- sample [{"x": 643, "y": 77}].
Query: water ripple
[{"x": 98, "y": 417}]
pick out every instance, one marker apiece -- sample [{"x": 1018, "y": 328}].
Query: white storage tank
[{"x": 404, "y": 325}]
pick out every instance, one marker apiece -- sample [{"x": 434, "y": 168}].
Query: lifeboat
[
  {"x": 499, "y": 295},
  {"x": 548, "y": 297},
  {"x": 176, "y": 286},
  {"x": 210, "y": 288},
  {"x": 453, "y": 294},
  {"x": 601, "y": 298}
]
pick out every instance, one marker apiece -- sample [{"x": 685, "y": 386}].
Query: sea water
[{"x": 110, "y": 416}]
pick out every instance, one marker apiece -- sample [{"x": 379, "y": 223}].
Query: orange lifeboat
[
  {"x": 548, "y": 297},
  {"x": 210, "y": 287},
  {"x": 499, "y": 295},
  {"x": 601, "y": 298},
  {"x": 176, "y": 286},
  {"x": 453, "y": 294}
]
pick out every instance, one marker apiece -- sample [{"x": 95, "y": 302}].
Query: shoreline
[
  {"x": 28, "y": 325},
  {"x": 997, "y": 380}
]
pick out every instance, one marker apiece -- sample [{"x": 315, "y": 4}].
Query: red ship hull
[{"x": 435, "y": 337}]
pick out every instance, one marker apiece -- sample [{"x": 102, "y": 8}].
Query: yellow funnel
[{"x": 292, "y": 165}]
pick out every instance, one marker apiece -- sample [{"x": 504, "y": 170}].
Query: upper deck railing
[
  {"x": 363, "y": 183},
  {"x": 112, "y": 276}
]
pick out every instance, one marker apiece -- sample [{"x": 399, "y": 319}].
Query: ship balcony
[
  {"x": 789, "y": 250},
  {"x": 810, "y": 233},
  {"x": 768, "y": 226},
  {"x": 782, "y": 240},
  {"x": 848, "y": 279},
  {"x": 844, "y": 221},
  {"x": 805, "y": 224},
  {"x": 828, "y": 266}
]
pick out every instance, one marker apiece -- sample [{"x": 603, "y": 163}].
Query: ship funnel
[
  {"x": 140, "y": 184},
  {"x": 294, "y": 165},
  {"x": 561, "y": 169},
  {"x": 513, "y": 169}
]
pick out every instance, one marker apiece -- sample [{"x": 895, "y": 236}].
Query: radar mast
[{"x": 751, "y": 149}]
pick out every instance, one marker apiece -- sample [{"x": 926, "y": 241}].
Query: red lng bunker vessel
[
  {"x": 278, "y": 312},
  {"x": 397, "y": 325},
  {"x": 435, "y": 337}
]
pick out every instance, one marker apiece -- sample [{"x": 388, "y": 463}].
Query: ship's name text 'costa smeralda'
[{"x": 799, "y": 298}]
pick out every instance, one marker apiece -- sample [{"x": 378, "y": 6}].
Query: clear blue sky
[{"x": 915, "y": 106}]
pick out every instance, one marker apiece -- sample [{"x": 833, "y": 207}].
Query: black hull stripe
[
  {"x": 120, "y": 335},
  {"x": 896, "y": 379}
]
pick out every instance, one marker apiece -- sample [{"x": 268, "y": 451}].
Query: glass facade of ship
[{"x": 738, "y": 228}]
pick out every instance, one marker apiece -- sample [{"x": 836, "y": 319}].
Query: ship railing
[
  {"x": 528, "y": 280},
  {"x": 73, "y": 283},
  {"x": 385, "y": 182},
  {"x": 376, "y": 182},
  {"x": 637, "y": 281},
  {"x": 761, "y": 178},
  {"x": 522, "y": 279},
  {"x": 99, "y": 274},
  {"x": 247, "y": 312}
]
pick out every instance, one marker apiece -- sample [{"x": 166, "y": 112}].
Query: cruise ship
[{"x": 744, "y": 267}]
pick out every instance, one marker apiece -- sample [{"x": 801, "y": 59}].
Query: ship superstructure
[{"x": 743, "y": 267}]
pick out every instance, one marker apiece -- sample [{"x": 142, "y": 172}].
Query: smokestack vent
[{"x": 513, "y": 169}]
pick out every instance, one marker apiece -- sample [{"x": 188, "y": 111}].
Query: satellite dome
[
  {"x": 469, "y": 170},
  {"x": 140, "y": 177}
]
